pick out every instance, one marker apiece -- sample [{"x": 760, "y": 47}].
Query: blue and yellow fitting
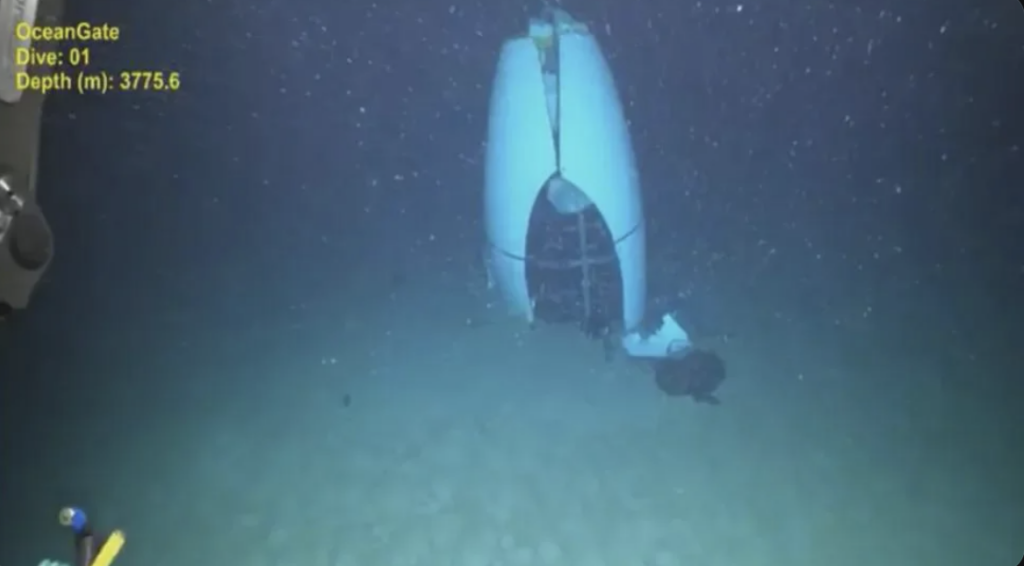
[{"x": 77, "y": 521}]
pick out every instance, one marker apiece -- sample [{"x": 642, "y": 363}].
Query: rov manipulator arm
[
  {"x": 26, "y": 243},
  {"x": 91, "y": 548}
]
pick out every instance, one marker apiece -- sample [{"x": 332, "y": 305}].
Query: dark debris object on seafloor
[{"x": 696, "y": 374}]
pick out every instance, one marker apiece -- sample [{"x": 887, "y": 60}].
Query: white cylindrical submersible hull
[{"x": 577, "y": 135}]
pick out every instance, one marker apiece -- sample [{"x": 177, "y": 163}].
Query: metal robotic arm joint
[
  {"x": 11, "y": 205},
  {"x": 26, "y": 243}
]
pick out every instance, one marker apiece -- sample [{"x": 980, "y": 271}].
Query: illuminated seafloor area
[{"x": 471, "y": 441}]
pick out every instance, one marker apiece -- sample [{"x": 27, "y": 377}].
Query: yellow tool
[{"x": 111, "y": 548}]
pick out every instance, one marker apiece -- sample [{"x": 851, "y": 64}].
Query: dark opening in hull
[{"x": 567, "y": 254}]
